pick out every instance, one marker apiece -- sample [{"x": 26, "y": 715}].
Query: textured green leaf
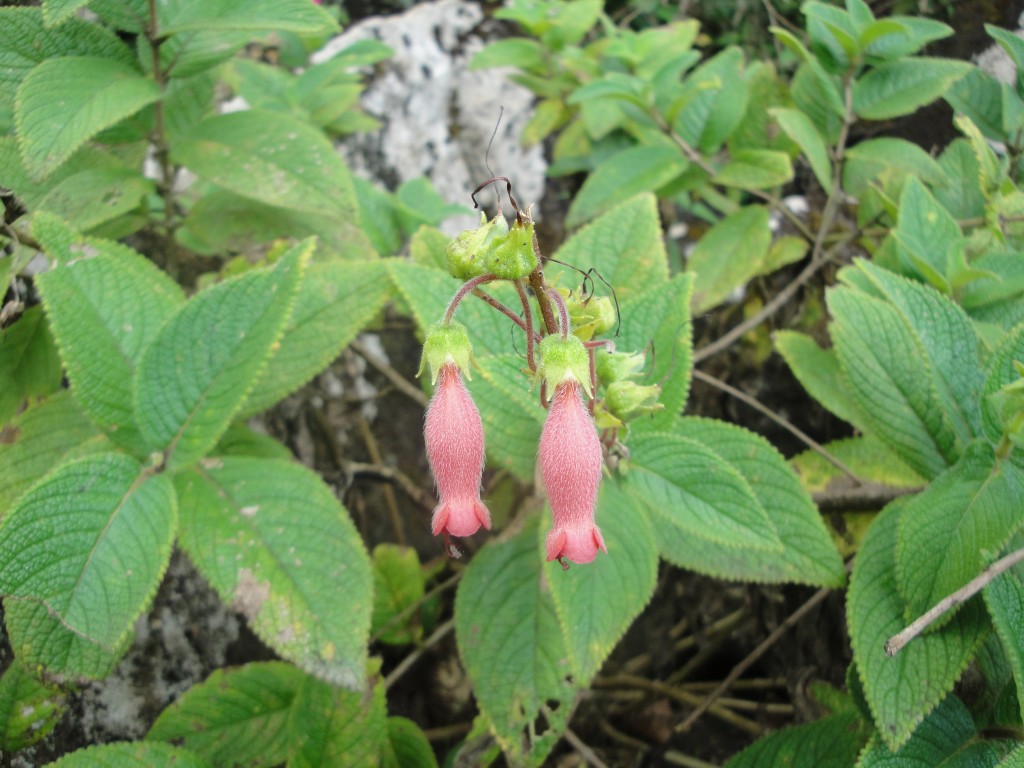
[
  {"x": 25, "y": 41},
  {"x": 334, "y": 301},
  {"x": 1004, "y": 597},
  {"x": 275, "y": 543},
  {"x": 1001, "y": 371},
  {"x": 898, "y": 36},
  {"x": 65, "y": 101},
  {"x": 407, "y": 746},
  {"x": 946, "y": 738},
  {"x": 510, "y": 642},
  {"x": 29, "y": 708},
  {"x": 887, "y": 369},
  {"x": 240, "y": 440},
  {"x": 801, "y": 129},
  {"x": 808, "y": 555},
  {"x": 511, "y": 412},
  {"x": 729, "y": 254},
  {"x": 597, "y": 602},
  {"x": 755, "y": 169},
  {"x": 979, "y": 97},
  {"x": 1015, "y": 759},
  {"x": 903, "y": 689},
  {"x": 56, "y": 11},
  {"x": 948, "y": 338},
  {"x": 964, "y": 199},
  {"x": 397, "y": 587},
  {"x": 818, "y": 370},
  {"x": 235, "y": 717},
  {"x": 819, "y": 95},
  {"x": 270, "y": 157},
  {"x": 39, "y": 439},
  {"x": 899, "y": 87},
  {"x": 625, "y": 246},
  {"x": 713, "y": 101},
  {"x": 888, "y": 155},
  {"x": 131, "y": 754},
  {"x": 194, "y": 377},
  {"x": 335, "y": 726},
  {"x": 514, "y": 52},
  {"x": 639, "y": 169},
  {"x": 927, "y": 231},
  {"x": 832, "y": 742},
  {"x": 254, "y": 16},
  {"x": 90, "y": 543},
  {"x": 693, "y": 492},
  {"x": 29, "y": 364},
  {"x": 950, "y": 531},
  {"x": 866, "y": 455},
  {"x": 105, "y": 304},
  {"x": 661, "y": 317}
]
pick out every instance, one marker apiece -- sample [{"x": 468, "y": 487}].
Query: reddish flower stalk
[
  {"x": 454, "y": 437},
  {"x": 570, "y": 464}
]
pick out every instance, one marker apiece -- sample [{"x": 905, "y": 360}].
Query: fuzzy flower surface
[
  {"x": 570, "y": 464},
  {"x": 454, "y": 437}
]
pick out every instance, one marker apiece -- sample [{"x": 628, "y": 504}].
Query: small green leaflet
[
  {"x": 728, "y": 255},
  {"x": 407, "y": 746},
  {"x": 755, "y": 169},
  {"x": 296, "y": 16},
  {"x": 1004, "y": 598},
  {"x": 398, "y": 583},
  {"x": 56, "y": 11},
  {"x": 801, "y": 129},
  {"x": 899, "y": 87},
  {"x": 818, "y": 370},
  {"x": 132, "y": 754},
  {"x": 29, "y": 708},
  {"x": 832, "y": 742},
  {"x": 29, "y": 364}
]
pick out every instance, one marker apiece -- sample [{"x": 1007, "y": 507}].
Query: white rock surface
[{"x": 437, "y": 115}]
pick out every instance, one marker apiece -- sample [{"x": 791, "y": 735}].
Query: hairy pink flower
[
  {"x": 570, "y": 466},
  {"x": 454, "y": 436}
]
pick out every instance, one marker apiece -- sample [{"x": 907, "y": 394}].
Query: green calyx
[
  {"x": 626, "y": 400},
  {"x": 562, "y": 360},
  {"x": 492, "y": 248},
  {"x": 616, "y": 366},
  {"x": 591, "y": 317},
  {"x": 446, "y": 344}
]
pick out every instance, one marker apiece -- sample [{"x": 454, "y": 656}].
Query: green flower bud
[
  {"x": 592, "y": 317},
  {"x": 512, "y": 256},
  {"x": 627, "y": 400},
  {"x": 467, "y": 254},
  {"x": 562, "y": 359},
  {"x": 617, "y": 366},
  {"x": 446, "y": 344}
]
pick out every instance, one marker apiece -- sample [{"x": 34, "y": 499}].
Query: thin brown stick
[
  {"x": 675, "y": 757},
  {"x": 392, "y": 474},
  {"x": 402, "y": 384},
  {"x": 406, "y": 664},
  {"x": 757, "y": 405},
  {"x": 860, "y": 498},
  {"x": 583, "y": 749},
  {"x": 410, "y": 609},
  {"x": 895, "y": 643},
  {"x": 370, "y": 441},
  {"x": 752, "y": 657}
]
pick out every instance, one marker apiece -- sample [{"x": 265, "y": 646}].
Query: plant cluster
[{"x": 148, "y": 446}]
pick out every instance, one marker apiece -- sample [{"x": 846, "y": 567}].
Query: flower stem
[
  {"x": 528, "y": 322},
  {"x": 563, "y": 313},
  {"x": 460, "y": 294}
]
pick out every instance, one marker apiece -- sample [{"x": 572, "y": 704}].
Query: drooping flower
[
  {"x": 454, "y": 437},
  {"x": 570, "y": 464}
]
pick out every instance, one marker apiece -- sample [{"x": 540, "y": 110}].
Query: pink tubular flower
[
  {"x": 454, "y": 436},
  {"x": 570, "y": 465}
]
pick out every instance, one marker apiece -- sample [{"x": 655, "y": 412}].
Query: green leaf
[
  {"x": 39, "y": 439},
  {"x": 235, "y": 717},
  {"x": 29, "y": 708},
  {"x": 64, "y": 102},
  {"x": 950, "y": 531},
  {"x": 56, "y": 11},
  {"x": 979, "y": 96},
  {"x": 947, "y": 738},
  {"x": 888, "y": 373},
  {"x": 1001, "y": 371},
  {"x": 694, "y": 492},
  {"x": 334, "y": 301},
  {"x": 514, "y": 52},
  {"x": 296, "y": 16},
  {"x": 887, "y": 155},
  {"x": 105, "y": 304},
  {"x": 407, "y": 746},
  {"x": 240, "y": 440},
  {"x": 29, "y": 364},
  {"x": 801, "y": 129},
  {"x": 626, "y": 174},
  {"x": 755, "y": 169},
  {"x": 509, "y": 639},
  {"x": 91, "y": 198},
  {"x": 899, "y": 87},
  {"x": 949, "y": 340},
  {"x": 660, "y": 317},
  {"x": 865, "y": 455},
  {"x": 302, "y": 581},
  {"x": 334, "y": 726},
  {"x": 818, "y": 95},
  {"x": 25, "y": 41},
  {"x": 625, "y": 246},
  {"x": 90, "y": 543},
  {"x": 270, "y": 157},
  {"x": 131, "y": 754},
  {"x": 808, "y": 555},
  {"x": 598, "y": 602},
  {"x": 729, "y": 254},
  {"x": 898, "y": 36},
  {"x": 928, "y": 233},
  {"x": 1004, "y": 598},
  {"x": 818, "y": 370},
  {"x": 195, "y": 375},
  {"x": 964, "y": 198},
  {"x": 903, "y": 689},
  {"x": 832, "y": 742},
  {"x": 397, "y": 588},
  {"x": 713, "y": 102},
  {"x": 511, "y": 412}
]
